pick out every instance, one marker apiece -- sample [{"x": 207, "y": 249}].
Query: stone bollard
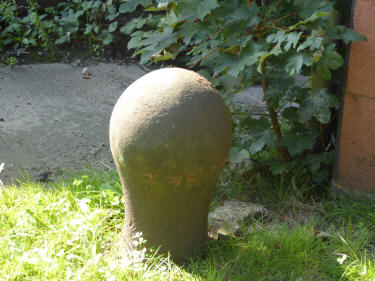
[{"x": 170, "y": 135}]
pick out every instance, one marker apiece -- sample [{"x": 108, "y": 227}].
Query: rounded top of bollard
[{"x": 170, "y": 121}]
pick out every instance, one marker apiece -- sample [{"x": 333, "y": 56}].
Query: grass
[{"x": 71, "y": 231}]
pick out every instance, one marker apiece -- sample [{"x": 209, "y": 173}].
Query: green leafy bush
[
  {"x": 94, "y": 24},
  {"x": 236, "y": 43},
  {"x": 97, "y": 20},
  {"x": 17, "y": 34}
]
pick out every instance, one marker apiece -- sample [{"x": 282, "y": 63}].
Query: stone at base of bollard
[
  {"x": 227, "y": 220},
  {"x": 350, "y": 192}
]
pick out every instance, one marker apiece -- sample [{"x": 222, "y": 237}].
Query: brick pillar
[{"x": 355, "y": 158}]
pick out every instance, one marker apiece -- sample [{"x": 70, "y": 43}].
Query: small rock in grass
[{"x": 228, "y": 219}]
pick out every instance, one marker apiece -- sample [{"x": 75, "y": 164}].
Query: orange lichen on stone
[
  {"x": 150, "y": 177},
  {"x": 176, "y": 181},
  {"x": 191, "y": 177}
]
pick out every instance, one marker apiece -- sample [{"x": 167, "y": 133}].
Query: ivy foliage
[
  {"x": 18, "y": 34},
  {"x": 95, "y": 24},
  {"x": 238, "y": 43}
]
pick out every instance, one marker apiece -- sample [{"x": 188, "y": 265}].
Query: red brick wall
[{"x": 355, "y": 167}]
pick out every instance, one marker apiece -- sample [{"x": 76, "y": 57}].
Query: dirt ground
[{"x": 53, "y": 118}]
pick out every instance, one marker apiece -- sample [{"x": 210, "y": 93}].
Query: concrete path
[{"x": 53, "y": 117}]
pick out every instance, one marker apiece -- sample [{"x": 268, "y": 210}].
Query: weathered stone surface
[
  {"x": 170, "y": 136},
  {"x": 228, "y": 219}
]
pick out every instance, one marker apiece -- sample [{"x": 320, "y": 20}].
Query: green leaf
[
  {"x": 246, "y": 13},
  {"x": 108, "y": 39},
  {"x": 317, "y": 104},
  {"x": 131, "y": 5},
  {"x": 135, "y": 23},
  {"x": 349, "y": 35},
  {"x": 290, "y": 113},
  {"x": 195, "y": 9},
  {"x": 267, "y": 138},
  {"x": 135, "y": 42},
  {"x": 334, "y": 60},
  {"x": 282, "y": 91},
  {"x": 292, "y": 40},
  {"x": 330, "y": 60},
  {"x": 111, "y": 13},
  {"x": 276, "y": 50},
  {"x": 316, "y": 160},
  {"x": 281, "y": 37},
  {"x": 312, "y": 42},
  {"x": 295, "y": 63},
  {"x": 232, "y": 63},
  {"x": 346, "y": 34},
  {"x": 188, "y": 30},
  {"x": 113, "y": 26},
  {"x": 277, "y": 37},
  {"x": 62, "y": 39},
  {"x": 205, "y": 8},
  {"x": 260, "y": 131},
  {"x": 155, "y": 43},
  {"x": 297, "y": 141},
  {"x": 88, "y": 29},
  {"x": 278, "y": 167},
  {"x": 106, "y": 36},
  {"x": 236, "y": 155},
  {"x": 255, "y": 126},
  {"x": 307, "y": 7}
]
